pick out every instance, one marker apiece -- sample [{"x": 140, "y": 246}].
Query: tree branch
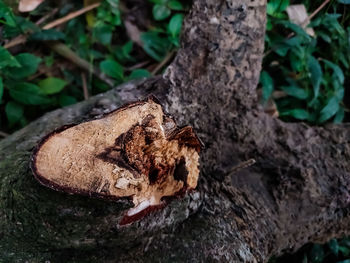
[{"x": 297, "y": 192}]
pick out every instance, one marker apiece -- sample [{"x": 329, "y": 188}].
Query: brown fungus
[{"x": 135, "y": 151}]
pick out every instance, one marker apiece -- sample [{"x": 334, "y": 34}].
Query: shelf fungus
[{"x": 133, "y": 152}]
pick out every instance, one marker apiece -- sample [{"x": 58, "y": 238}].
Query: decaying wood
[
  {"x": 134, "y": 152},
  {"x": 296, "y": 192}
]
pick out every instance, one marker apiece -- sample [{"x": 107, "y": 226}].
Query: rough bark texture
[{"x": 297, "y": 192}]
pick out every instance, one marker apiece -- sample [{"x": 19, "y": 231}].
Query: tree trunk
[{"x": 297, "y": 192}]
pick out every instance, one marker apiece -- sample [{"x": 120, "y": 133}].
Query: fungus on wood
[{"x": 136, "y": 152}]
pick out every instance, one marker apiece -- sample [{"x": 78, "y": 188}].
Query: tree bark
[{"x": 297, "y": 192}]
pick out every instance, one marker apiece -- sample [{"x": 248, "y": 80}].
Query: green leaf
[
  {"x": 281, "y": 50},
  {"x": 14, "y": 112},
  {"x": 283, "y": 6},
  {"x": 272, "y": 7},
  {"x": 316, "y": 254},
  {"x": 127, "y": 48},
  {"x": 339, "y": 93},
  {"x": 305, "y": 258},
  {"x": 269, "y": 27},
  {"x": 276, "y": 6},
  {"x": 139, "y": 73},
  {"x": 109, "y": 12},
  {"x": 1, "y": 89},
  {"x": 112, "y": 68},
  {"x": 52, "y": 85},
  {"x": 23, "y": 25},
  {"x": 123, "y": 53},
  {"x": 299, "y": 114},
  {"x": 9, "y": 32},
  {"x": 154, "y": 45},
  {"x": 46, "y": 35},
  {"x": 100, "y": 86},
  {"x": 49, "y": 60},
  {"x": 114, "y": 7},
  {"x": 339, "y": 116},
  {"x": 175, "y": 24},
  {"x": 294, "y": 41},
  {"x": 334, "y": 247},
  {"x": 345, "y": 61},
  {"x": 29, "y": 65},
  {"x": 267, "y": 85},
  {"x": 7, "y": 60},
  {"x": 28, "y": 93},
  {"x": 297, "y": 64},
  {"x": 329, "y": 110},
  {"x": 330, "y": 21},
  {"x": 160, "y": 12},
  {"x": 324, "y": 36},
  {"x": 345, "y": 251},
  {"x": 175, "y": 5},
  {"x": 65, "y": 100},
  {"x": 6, "y": 13},
  {"x": 175, "y": 41},
  {"x": 296, "y": 92},
  {"x": 113, "y": 3},
  {"x": 103, "y": 33},
  {"x": 296, "y": 28},
  {"x": 338, "y": 72},
  {"x": 345, "y": 2},
  {"x": 315, "y": 74}
]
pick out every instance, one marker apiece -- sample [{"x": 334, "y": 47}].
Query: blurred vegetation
[
  {"x": 118, "y": 41},
  {"x": 306, "y": 78},
  {"x": 335, "y": 251}
]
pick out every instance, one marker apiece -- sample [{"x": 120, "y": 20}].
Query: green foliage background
[
  {"x": 307, "y": 77},
  {"x": 34, "y": 79},
  {"x": 311, "y": 73}
]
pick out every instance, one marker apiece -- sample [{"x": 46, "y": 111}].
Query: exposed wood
[{"x": 134, "y": 152}]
